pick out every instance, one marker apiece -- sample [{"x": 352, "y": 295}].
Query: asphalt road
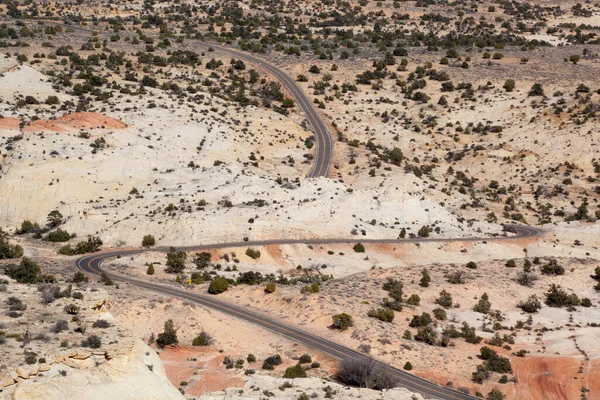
[
  {"x": 324, "y": 141},
  {"x": 92, "y": 264}
]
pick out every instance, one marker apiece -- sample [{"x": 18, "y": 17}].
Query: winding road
[{"x": 92, "y": 264}]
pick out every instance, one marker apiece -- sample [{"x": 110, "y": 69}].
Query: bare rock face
[
  {"x": 45, "y": 354},
  {"x": 314, "y": 388},
  {"x": 124, "y": 377}
]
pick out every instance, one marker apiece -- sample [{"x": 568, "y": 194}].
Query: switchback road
[{"x": 92, "y": 264}]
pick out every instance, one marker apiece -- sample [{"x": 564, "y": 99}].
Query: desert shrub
[
  {"x": 101, "y": 323},
  {"x": 536, "y": 90},
  {"x": 342, "y": 321},
  {"x": 305, "y": 359},
  {"x": 105, "y": 279},
  {"x": 148, "y": 241},
  {"x": 218, "y": 285},
  {"x": 59, "y": 235},
  {"x": 150, "y": 269},
  {"x": 91, "y": 245},
  {"x": 28, "y": 227},
  {"x": 272, "y": 361},
  {"x": 425, "y": 278},
  {"x": 203, "y": 339},
  {"x": 93, "y": 342},
  {"x": 511, "y": 263},
  {"x": 552, "y": 267},
  {"x": 382, "y": 314},
  {"x": 558, "y": 297},
  {"x": 420, "y": 320},
  {"x": 445, "y": 299},
  {"x": 395, "y": 289},
  {"x": 270, "y": 288},
  {"x": 77, "y": 295},
  {"x": 471, "y": 265},
  {"x": 202, "y": 260},
  {"x": 175, "y": 261},
  {"x": 493, "y": 361},
  {"x": 295, "y": 372},
  {"x": 250, "y": 278},
  {"x": 15, "y": 304},
  {"x": 71, "y": 309},
  {"x": 413, "y": 300},
  {"x": 358, "y": 248},
  {"x": 440, "y": 314},
  {"x": 253, "y": 254},
  {"x": 456, "y": 278},
  {"x": 363, "y": 373},
  {"x": 168, "y": 336},
  {"x": 496, "y": 394},
  {"x": 484, "y": 305},
  {"x": 526, "y": 278},
  {"x": 312, "y": 288},
  {"x": 509, "y": 85},
  {"x": 426, "y": 334},
  {"x": 26, "y": 272},
  {"x": 66, "y": 250},
  {"x": 531, "y": 305},
  {"x": 59, "y": 326},
  {"x": 79, "y": 277},
  {"x": 251, "y": 358}
]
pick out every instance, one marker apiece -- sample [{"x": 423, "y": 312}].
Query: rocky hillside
[{"x": 58, "y": 342}]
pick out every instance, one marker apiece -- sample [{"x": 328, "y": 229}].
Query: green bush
[
  {"x": 313, "y": 288},
  {"x": 408, "y": 366},
  {"x": 558, "y": 297},
  {"x": 471, "y": 265},
  {"x": 342, "y": 321},
  {"x": 253, "y": 254},
  {"x": 218, "y": 285},
  {"x": 511, "y": 263},
  {"x": 26, "y": 272},
  {"x": 484, "y": 305},
  {"x": 58, "y": 235},
  {"x": 148, "y": 241},
  {"x": 270, "y": 288},
  {"x": 295, "y": 372},
  {"x": 93, "y": 342},
  {"x": 359, "y": 248},
  {"x": 150, "y": 269},
  {"x": 413, "y": 300},
  {"x": 382, "y": 314},
  {"x": 175, "y": 261},
  {"x": 8, "y": 251},
  {"x": 203, "y": 339},
  {"x": 168, "y": 336},
  {"x": 305, "y": 359},
  {"x": 425, "y": 278},
  {"x": 445, "y": 299},
  {"x": 440, "y": 314}
]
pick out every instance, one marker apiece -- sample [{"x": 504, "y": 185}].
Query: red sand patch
[
  {"x": 66, "y": 123},
  {"x": 9, "y": 123},
  {"x": 207, "y": 374},
  {"x": 543, "y": 378}
]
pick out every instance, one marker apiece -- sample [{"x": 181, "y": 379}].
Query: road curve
[
  {"x": 324, "y": 141},
  {"x": 92, "y": 264}
]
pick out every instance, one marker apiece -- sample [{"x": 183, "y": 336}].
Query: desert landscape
[{"x": 323, "y": 199}]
